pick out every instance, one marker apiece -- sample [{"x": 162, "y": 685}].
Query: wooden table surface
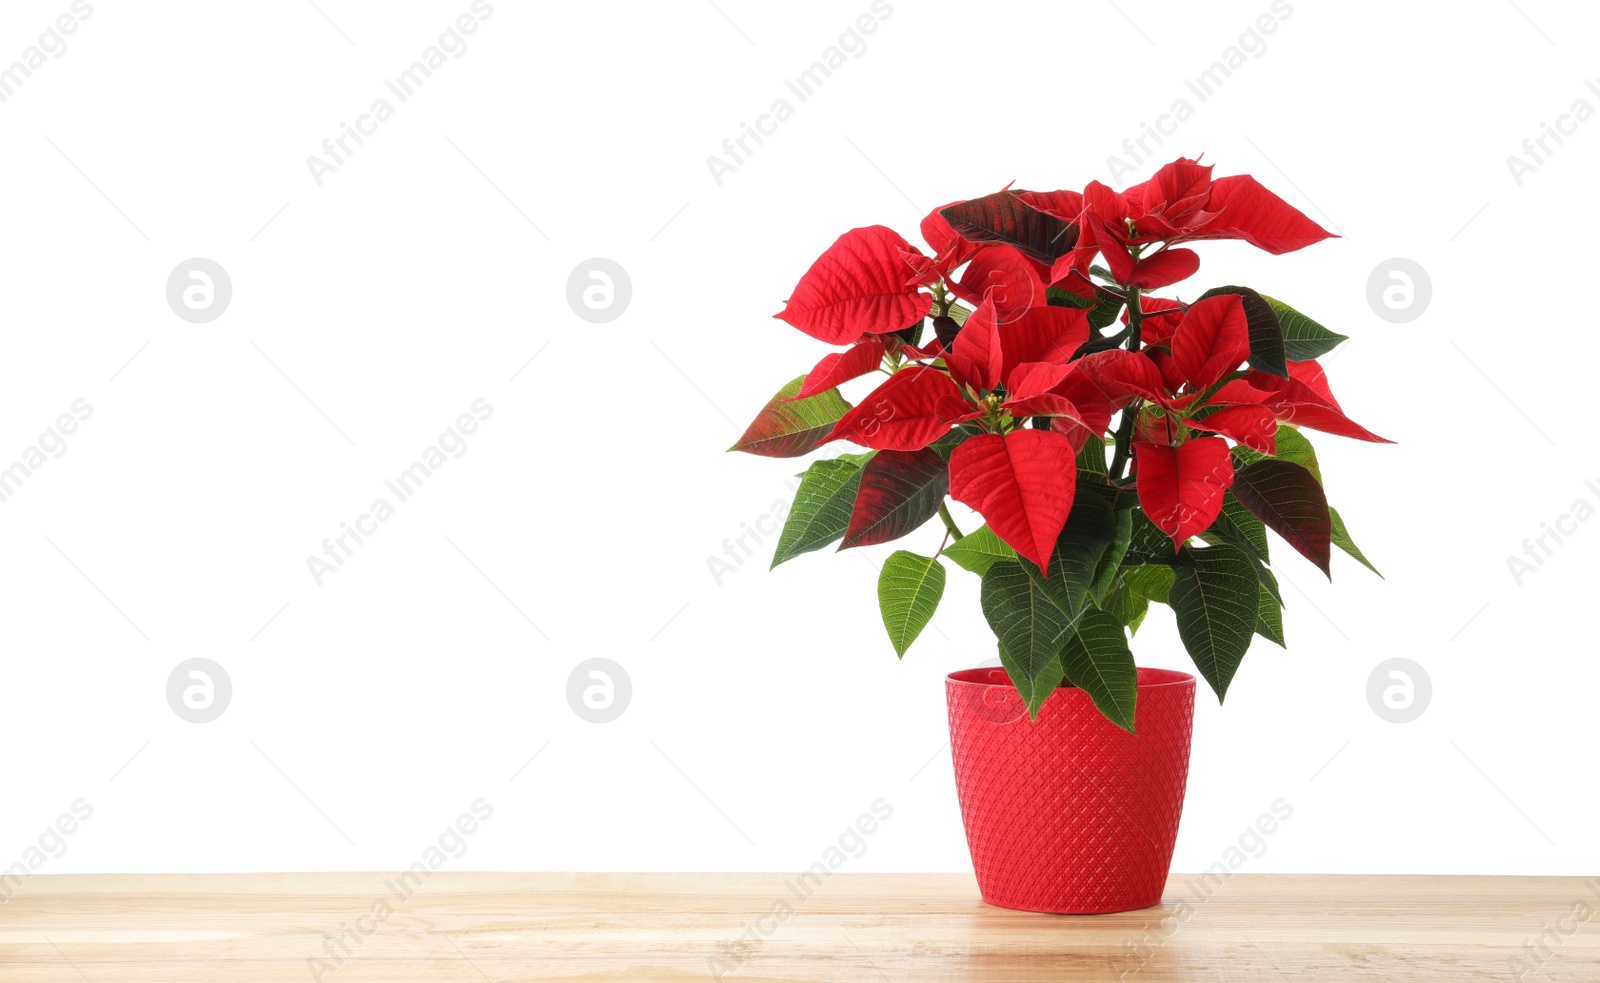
[{"x": 355, "y": 928}]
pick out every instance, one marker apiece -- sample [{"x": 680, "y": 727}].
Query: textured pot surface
[{"x": 1070, "y": 813}]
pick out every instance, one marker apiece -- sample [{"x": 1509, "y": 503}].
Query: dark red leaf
[
  {"x": 1065, "y": 205},
  {"x": 1004, "y": 217},
  {"x": 1290, "y": 500},
  {"x": 900, "y": 490},
  {"x": 789, "y": 427}
]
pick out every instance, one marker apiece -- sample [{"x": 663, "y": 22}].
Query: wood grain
[{"x": 675, "y": 927}]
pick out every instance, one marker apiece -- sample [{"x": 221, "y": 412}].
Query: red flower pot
[{"x": 1069, "y": 813}]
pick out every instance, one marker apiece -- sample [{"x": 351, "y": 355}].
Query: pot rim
[{"x": 996, "y": 676}]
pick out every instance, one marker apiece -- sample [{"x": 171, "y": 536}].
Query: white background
[{"x": 768, "y": 710}]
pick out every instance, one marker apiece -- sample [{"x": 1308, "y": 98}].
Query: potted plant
[{"x": 1123, "y": 447}]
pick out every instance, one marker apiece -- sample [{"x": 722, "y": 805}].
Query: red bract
[
  {"x": 1211, "y": 340},
  {"x": 1182, "y": 203},
  {"x": 1072, "y": 411},
  {"x": 840, "y": 367},
  {"x": 915, "y": 407},
  {"x": 1181, "y": 488},
  {"x": 858, "y": 286},
  {"x": 1003, "y": 276},
  {"x": 983, "y": 378},
  {"x": 1303, "y": 399},
  {"x": 949, "y": 249},
  {"x": 1023, "y": 483}
]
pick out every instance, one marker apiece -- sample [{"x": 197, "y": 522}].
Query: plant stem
[
  {"x": 1119, "y": 457},
  {"x": 949, "y": 523}
]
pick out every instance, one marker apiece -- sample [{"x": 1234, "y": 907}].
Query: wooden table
[{"x": 354, "y": 928}]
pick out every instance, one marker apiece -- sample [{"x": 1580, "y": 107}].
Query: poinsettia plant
[{"x": 1122, "y": 448}]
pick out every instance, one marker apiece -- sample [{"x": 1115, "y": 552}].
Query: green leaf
[
  {"x": 1138, "y": 619},
  {"x": 1029, "y": 626},
  {"x": 945, "y": 445},
  {"x": 1038, "y": 689},
  {"x": 1149, "y": 544},
  {"x": 1092, "y": 458},
  {"x": 1291, "y": 446},
  {"x": 913, "y": 334},
  {"x": 1151, "y": 580},
  {"x": 1105, "y": 574},
  {"x": 822, "y": 504},
  {"x": 979, "y": 550},
  {"x": 1303, "y": 338},
  {"x": 909, "y": 589},
  {"x": 1241, "y": 542},
  {"x": 788, "y": 427},
  {"x": 1267, "y": 351},
  {"x": 1216, "y": 602},
  {"x": 1091, "y": 527},
  {"x": 1096, "y": 659},
  {"x": 1341, "y": 538},
  {"x": 1126, "y": 604},
  {"x": 1103, "y": 310},
  {"x": 1239, "y": 526},
  {"x": 1269, "y": 618}
]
